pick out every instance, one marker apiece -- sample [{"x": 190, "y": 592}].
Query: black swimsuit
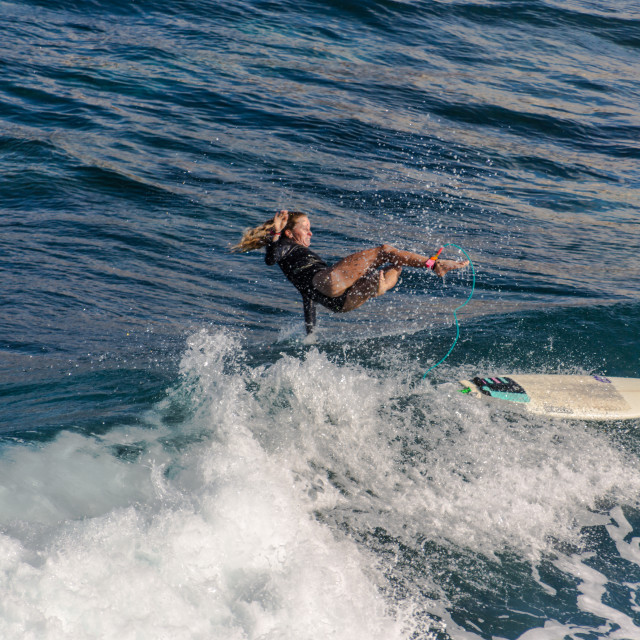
[{"x": 300, "y": 265}]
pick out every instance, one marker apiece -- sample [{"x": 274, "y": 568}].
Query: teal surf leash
[{"x": 455, "y": 312}]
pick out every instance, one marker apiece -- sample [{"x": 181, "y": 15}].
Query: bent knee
[{"x": 387, "y": 249}]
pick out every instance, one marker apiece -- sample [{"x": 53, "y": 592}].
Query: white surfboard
[{"x": 565, "y": 396}]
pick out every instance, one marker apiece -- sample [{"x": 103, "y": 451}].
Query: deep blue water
[{"x": 175, "y": 459}]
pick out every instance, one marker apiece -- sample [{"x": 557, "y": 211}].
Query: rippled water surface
[{"x": 176, "y": 459}]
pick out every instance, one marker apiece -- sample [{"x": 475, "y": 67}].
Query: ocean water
[{"x": 176, "y": 459}]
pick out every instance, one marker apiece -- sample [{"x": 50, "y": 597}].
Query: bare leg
[
  {"x": 334, "y": 281},
  {"x": 374, "y": 284}
]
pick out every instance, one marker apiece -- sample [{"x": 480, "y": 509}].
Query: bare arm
[{"x": 279, "y": 223}]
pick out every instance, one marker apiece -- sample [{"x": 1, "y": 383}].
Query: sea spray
[{"x": 221, "y": 543}]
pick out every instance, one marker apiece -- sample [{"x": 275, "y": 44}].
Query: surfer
[{"x": 342, "y": 287}]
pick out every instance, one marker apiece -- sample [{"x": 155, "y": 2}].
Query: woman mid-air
[{"x": 347, "y": 284}]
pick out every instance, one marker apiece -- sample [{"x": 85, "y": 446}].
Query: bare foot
[
  {"x": 387, "y": 279},
  {"x": 444, "y": 266}
]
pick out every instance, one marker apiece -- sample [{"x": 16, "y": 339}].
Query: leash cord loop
[{"x": 455, "y": 311}]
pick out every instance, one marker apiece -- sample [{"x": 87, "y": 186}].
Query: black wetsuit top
[{"x": 300, "y": 265}]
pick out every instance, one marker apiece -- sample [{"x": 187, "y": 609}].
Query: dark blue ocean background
[{"x": 176, "y": 460}]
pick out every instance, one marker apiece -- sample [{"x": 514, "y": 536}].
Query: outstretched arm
[
  {"x": 309, "y": 314},
  {"x": 279, "y": 223}
]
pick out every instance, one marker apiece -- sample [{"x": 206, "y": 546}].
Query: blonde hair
[{"x": 258, "y": 237}]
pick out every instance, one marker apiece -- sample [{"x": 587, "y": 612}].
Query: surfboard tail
[{"x": 588, "y": 397}]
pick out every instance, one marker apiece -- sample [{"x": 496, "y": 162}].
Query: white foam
[
  {"x": 251, "y": 532},
  {"x": 478, "y": 479},
  {"x": 222, "y": 545},
  {"x": 619, "y": 529},
  {"x": 592, "y": 587},
  {"x": 74, "y": 477}
]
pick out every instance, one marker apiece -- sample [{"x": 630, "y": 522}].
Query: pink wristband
[{"x": 429, "y": 264}]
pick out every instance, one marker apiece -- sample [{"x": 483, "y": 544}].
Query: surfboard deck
[{"x": 564, "y": 396}]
